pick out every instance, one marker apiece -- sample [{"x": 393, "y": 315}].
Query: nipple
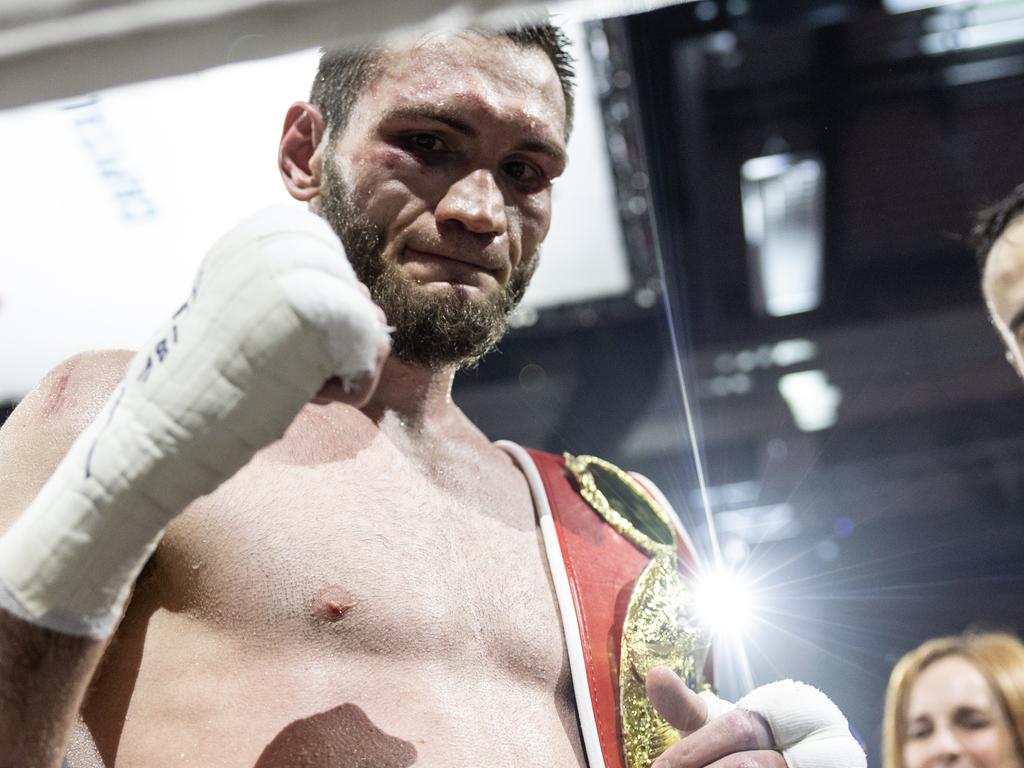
[{"x": 332, "y": 603}]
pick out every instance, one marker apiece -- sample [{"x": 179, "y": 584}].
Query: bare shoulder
[
  {"x": 64, "y": 401},
  {"x": 39, "y": 432}
]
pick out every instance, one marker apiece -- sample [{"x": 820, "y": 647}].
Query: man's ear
[{"x": 299, "y": 156}]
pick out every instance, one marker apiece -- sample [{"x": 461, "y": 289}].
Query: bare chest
[{"x": 377, "y": 555}]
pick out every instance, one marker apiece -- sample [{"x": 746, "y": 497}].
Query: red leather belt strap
[{"x": 602, "y": 567}]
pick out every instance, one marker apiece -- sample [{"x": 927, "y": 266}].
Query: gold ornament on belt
[{"x": 659, "y": 629}]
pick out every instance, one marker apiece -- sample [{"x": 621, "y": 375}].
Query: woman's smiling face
[{"x": 954, "y": 720}]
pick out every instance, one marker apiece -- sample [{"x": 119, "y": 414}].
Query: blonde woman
[{"x": 957, "y": 701}]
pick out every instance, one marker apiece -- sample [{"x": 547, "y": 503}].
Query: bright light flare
[{"x": 724, "y": 602}]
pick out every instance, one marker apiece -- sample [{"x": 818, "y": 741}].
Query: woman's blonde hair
[{"x": 998, "y": 656}]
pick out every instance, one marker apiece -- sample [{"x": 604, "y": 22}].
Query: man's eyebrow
[
  {"x": 553, "y": 151},
  {"x": 447, "y": 117},
  {"x": 438, "y": 114}
]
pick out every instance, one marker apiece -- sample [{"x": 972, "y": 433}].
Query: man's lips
[{"x": 437, "y": 267}]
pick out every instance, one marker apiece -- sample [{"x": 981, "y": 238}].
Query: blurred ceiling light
[
  {"x": 781, "y": 354},
  {"x": 973, "y": 14},
  {"x": 977, "y": 36},
  {"x": 784, "y": 224},
  {"x": 772, "y": 522},
  {"x": 793, "y": 351},
  {"x": 984, "y": 71},
  {"x": 813, "y": 402},
  {"x": 904, "y": 6},
  {"x": 726, "y": 386},
  {"x": 734, "y": 550},
  {"x": 724, "y": 602},
  {"x": 729, "y": 494}
]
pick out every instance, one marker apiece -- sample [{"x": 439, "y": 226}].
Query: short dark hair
[
  {"x": 991, "y": 222},
  {"x": 344, "y": 74}
]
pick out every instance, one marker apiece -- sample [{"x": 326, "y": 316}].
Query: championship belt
[{"x": 616, "y": 553}]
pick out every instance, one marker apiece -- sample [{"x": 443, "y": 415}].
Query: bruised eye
[
  {"x": 520, "y": 170},
  {"x": 426, "y": 142}
]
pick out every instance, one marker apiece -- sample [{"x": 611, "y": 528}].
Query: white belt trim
[{"x": 566, "y": 605}]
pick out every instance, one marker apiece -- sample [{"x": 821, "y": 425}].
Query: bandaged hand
[
  {"x": 275, "y": 312},
  {"x": 777, "y": 725}
]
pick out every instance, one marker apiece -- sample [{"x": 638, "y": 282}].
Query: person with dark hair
[
  {"x": 998, "y": 238},
  {"x": 270, "y": 539}
]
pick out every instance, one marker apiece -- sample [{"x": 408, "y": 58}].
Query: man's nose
[{"x": 476, "y": 202}]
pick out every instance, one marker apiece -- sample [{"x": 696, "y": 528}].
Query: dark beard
[{"x": 432, "y": 330}]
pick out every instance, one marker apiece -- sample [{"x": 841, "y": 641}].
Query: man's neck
[{"x": 413, "y": 396}]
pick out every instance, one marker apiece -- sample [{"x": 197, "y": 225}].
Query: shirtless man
[
  {"x": 370, "y": 589},
  {"x": 999, "y": 246}
]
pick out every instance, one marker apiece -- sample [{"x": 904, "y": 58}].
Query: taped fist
[
  {"x": 275, "y": 312},
  {"x": 779, "y": 725}
]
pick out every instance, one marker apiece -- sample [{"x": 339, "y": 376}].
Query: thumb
[{"x": 681, "y": 707}]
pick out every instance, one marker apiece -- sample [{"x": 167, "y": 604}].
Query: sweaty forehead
[
  {"x": 473, "y": 71},
  {"x": 947, "y": 684}
]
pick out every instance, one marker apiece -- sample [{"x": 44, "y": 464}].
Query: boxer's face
[
  {"x": 954, "y": 719},
  {"x": 440, "y": 187},
  {"x": 1002, "y": 282}
]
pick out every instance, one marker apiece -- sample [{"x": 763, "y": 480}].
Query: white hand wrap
[
  {"x": 275, "y": 312},
  {"x": 808, "y": 728},
  {"x": 716, "y": 706}
]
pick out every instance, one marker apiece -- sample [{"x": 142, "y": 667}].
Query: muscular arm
[
  {"x": 44, "y": 674},
  {"x": 275, "y": 312}
]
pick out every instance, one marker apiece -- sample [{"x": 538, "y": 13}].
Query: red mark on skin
[
  {"x": 390, "y": 160},
  {"x": 56, "y": 397},
  {"x": 332, "y": 603},
  {"x": 343, "y": 737}
]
